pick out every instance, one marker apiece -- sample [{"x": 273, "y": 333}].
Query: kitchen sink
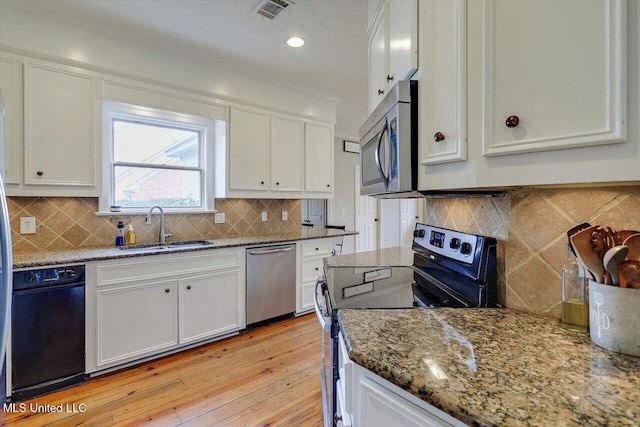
[{"x": 169, "y": 245}]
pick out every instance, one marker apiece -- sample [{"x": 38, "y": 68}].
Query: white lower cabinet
[
  {"x": 209, "y": 305},
  {"x": 145, "y": 306},
  {"x": 136, "y": 320},
  {"x": 310, "y": 256},
  {"x": 379, "y": 403}
]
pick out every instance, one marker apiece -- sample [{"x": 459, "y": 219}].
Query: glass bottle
[{"x": 575, "y": 297}]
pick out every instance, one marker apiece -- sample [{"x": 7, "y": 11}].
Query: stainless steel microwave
[{"x": 389, "y": 145}]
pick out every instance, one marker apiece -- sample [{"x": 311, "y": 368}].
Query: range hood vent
[{"x": 271, "y": 8}]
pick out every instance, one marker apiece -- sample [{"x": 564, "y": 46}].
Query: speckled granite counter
[
  {"x": 390, "y": 257},
  {"x": 496, "y": 367},
  {"x": 43, "y": 258}
]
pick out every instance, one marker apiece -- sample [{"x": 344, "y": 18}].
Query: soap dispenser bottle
[
  {"x": 120, "y": 236},
  {"x": 130, "y": 235}
]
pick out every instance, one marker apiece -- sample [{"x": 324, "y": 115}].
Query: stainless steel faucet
[{"x": 162, "y": 236}]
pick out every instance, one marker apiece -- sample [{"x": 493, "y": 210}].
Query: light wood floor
[{"x": 269, "y": 376}]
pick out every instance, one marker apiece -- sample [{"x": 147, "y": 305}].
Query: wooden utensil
[
  {"x": 633, "y": 243},
  {"x": 573, "y": 231},
  {"x": 622, "y": 235},
  {"x": 581, "y": 242},
  {"x": 612, "y": 259},
  {"x": 630, "y": 274},
  {"x": 602, "y": 239}
]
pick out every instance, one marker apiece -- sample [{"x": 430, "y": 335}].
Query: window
[{"x": 157, "y": 158}]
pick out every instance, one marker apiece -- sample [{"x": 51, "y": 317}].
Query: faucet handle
[{"x": 168, "y": 233}]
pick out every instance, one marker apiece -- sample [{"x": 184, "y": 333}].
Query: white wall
[
  {"x": 31, "y": 35},
  {"x": 343, "y": 210}
]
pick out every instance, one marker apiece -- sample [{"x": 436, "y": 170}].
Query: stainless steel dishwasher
[{"x": 271, "y": 282}]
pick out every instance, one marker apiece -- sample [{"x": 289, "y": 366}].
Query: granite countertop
[
  {"x": 398, "y": 256},
  {"x": 496, "y": 366},
  {"x": 32, "y": 259}
]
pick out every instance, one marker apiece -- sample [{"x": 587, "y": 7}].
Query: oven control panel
[{"x": 449, "y": 243}]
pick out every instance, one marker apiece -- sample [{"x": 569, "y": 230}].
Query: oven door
[
  {"x": 375, "y": 159},
  {"x": 323, "y": 312}
]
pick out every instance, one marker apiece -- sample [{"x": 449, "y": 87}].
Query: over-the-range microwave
[{"x": 389, "y": 145}]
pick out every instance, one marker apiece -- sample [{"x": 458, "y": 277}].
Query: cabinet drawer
[
  {"x": 153, "y": 266},
  {"x": 311, "y": 269},
  {"x": 316, "y": 247}
]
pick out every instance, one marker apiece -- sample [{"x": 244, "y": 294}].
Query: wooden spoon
[
  {"x": 633, "y": 243},
  {"x": 581, "y": 242}
]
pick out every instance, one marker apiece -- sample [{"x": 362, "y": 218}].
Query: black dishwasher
[{"x": 47, "y": 330}]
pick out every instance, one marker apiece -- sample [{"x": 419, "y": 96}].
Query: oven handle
[{"x": 323, "y": 320}]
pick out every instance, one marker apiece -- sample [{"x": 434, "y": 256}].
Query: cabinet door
[
  {"x": 318, "y": 165},
  {"x": 443, "y": 94},
  {"x": 135, "y": 321},
  {"x": 403, "y": 37},
  {"x": 383, "y": 408},
  {"x": 59, "y": 128},
  {"x": 248, "y": 149},
  {"x": 209, "y": 305},
  {"x": 558, "y": 68},
  {"x": 378, "y": 57},
  {"x": 9, "y": 85},
  {"x": 287, "y": 154}
]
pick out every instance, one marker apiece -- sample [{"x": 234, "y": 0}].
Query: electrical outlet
[
  {"x": 219, "y": 218},
  {"x": 27, "y": 225},
  {"x": 264, "y": 216},
  {"x": 285, "y": 215}
]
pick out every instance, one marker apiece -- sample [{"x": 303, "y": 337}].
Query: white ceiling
[{"x": 333, "y": 60}]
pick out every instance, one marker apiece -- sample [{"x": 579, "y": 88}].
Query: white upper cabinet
[
  {"x": 393, "y": 52},
  {"x": 276, "y": 156},
  {"x": 10, "y": 87},
  {"x": 248, "y": 149},
  {"x": 287, "y": 154},
  {"x": 403, "y": 40},
  {"x": 442, "y": 90},
  {"x": 60, "y": 138},
  {"x": 318, "y": 169},
  {"x": 542, "y": 98},
  {"x": 553, "y": 75}
]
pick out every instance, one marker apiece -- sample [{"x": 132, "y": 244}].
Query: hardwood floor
[{"x": 269, "y": 376}]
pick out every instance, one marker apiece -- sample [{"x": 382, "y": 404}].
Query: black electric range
[{"x": 450, "y": 269}]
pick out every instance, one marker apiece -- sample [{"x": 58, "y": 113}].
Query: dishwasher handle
[{"x": 270, "y": 251}]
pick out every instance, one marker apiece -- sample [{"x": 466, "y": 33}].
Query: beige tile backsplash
[
  {"x": 531, "y": 226},
  {"x": 67, "y": 222}
]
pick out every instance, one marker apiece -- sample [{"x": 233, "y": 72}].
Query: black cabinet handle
[
  {"x": 39, "y": 173},
  {"x": 167, "y": 290},
  {"x": 189, "y": 287},
  {"x": 512, "y": 121},
  {"x": 380, "y": 92}
]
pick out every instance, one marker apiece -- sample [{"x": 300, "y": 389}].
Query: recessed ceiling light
[{"x": 295, "y": 42}]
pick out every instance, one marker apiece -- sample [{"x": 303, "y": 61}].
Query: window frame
[{"x": 112, "y": 110}]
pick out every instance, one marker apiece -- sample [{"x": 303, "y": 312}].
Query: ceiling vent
[{"x": 271, "y": 8}]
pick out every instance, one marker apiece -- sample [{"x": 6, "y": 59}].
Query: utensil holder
[{"x": 614, "y": 318}]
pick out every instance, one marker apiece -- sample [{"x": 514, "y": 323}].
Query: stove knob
[
  {"x": 454, "y": 243},
  {"x": 418, "y": 233},
  {"x": 465, "y": 248},
  {"x": 32, "y": 277}
]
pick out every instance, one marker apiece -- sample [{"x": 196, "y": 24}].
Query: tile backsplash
[
  {"x": 531, "y": 226},
  {"x": 71, "y": 222}
]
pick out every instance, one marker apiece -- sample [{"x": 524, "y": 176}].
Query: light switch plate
[
  {"x": 219, "y": 218},
  {"x": 264, "y": 216},
  {"x": 27, "y": 225},
  {"x": 285, "y": 215}
]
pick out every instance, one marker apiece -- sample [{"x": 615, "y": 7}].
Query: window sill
[{"x": 167, "y": 211}]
